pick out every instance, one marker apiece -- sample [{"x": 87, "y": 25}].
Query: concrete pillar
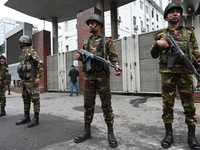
[
  {"x": 55, "y": 34},
  {"x": 100, "y": 6},
  {"x": 114, "y": 20}
]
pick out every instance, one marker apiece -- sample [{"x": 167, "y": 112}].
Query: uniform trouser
[
  {"x": 30, "y": 93},
  {"x": 184, "y": 83},
  {"x": 100, "y": 84},
  {"x": 8, "y": 87},
  {"x": 2, "y": 96}
]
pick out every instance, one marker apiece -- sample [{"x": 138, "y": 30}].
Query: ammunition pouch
[
  {"x": 26, "y": 71},
  {"x": 186, "y": 47},
  {"x": 95, "y": 64}
]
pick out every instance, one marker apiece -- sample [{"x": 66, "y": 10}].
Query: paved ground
[{"x": 138, "y": 124}]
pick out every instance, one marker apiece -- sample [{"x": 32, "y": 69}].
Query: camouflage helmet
[
  {"x": 171, "y": 6},
  {"x": 95, "y": 17},
  {"x": 25, "y": 39}
]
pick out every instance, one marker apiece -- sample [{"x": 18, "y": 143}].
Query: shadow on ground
[{"x": 52, "y": 129}]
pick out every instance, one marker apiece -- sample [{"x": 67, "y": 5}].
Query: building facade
[
  {"x": 136, "y": 17},
  {"x": 6, "y": 25}
]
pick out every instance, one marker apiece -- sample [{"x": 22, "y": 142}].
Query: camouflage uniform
[
  {"x": 98, "y": 81},
  {"x": 7, "y": 81},
  {"x": 179, "y": 75},
  {"x": 2, "y": 78},
  {"x": 30, "y": 90}
]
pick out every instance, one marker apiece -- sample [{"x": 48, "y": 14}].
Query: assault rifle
[
  {"x": 177, "y": 52},
  {"x": 88, "y": 56}
]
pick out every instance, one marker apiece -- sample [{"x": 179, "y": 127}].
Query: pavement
[{"x": 138, "y": 124}]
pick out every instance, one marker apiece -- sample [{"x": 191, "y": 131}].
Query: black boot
[
  {"x": 8, "y": 92},
  {"x": 34, "y": 121},
  {"x": 3, "y": 112},
  {"x": 192, "y": 141},
  {"x": 86, "y": 134},
  {"x": 25, "y": 119},
  {"x": 168, "y": 140},
  {"x": 111, "y": 138}
]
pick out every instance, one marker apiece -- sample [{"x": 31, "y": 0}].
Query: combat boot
[
  {"x": 111, "y": 138},
  {"x": 8, "y": 92},
  {"x": 3, "y": 112},
  {"x": 192, "y": 141},
  {"x": 25, "y": 119},
  {"x": 168, "y": 140},
  {"x": 34, "y": 121},
  {"x": 86, "y": 134}
]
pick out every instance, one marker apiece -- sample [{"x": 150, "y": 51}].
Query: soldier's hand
[
  {"x": 162, "y": 43},
  {"x": 20, "y": 83},
  {"x": 198, "y": 84},
  {"x": 37, "y": 80},
  {"x": 77, "y": 56},
  {"x": 117, "y": 71}
]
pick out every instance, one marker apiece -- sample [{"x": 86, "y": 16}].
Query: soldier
[
  {"x": 2, "y": 85},
  {"x": 7, "y": 81},
  {"x": 30, "y": 70},
  {"x": 179, "y": 75},
  {"x": 97, "y": 79}
]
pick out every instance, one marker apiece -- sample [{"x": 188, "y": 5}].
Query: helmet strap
[
  {"x": 92, "y": 30},
  {"x": 173, "y": 21}
]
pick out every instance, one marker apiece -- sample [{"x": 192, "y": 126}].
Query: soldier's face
[
  {"x": 173, "y": 15},
  {"x": 93, "y": 26},
  {"x": 21, "y": 45}
]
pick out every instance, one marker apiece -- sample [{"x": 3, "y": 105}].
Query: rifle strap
[
  {"x": 88, "y": 44},
  {"x": 100, "y": 44}
]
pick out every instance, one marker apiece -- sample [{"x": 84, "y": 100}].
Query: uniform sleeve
[
  {"x": 112, "y": 53},
  {"x": 38, "y": 61},
  {"x": 2, "y": 67},
  {"x": 195, "y": 51},
  {"x": 155, "y": 49}
]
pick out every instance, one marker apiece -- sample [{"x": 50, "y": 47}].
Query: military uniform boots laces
[
  {"x": 86, "y": 134},
  {"x": 34, "y": 121},
  {"x": 192, "y": 141},
  {"x": 3, "y": 112},
  {"x": 25, "y": 119},
  {"x": 111, "y": 138},
  {"x": 168, "y": 140}
]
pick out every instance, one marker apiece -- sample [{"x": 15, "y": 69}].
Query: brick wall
[{"x": 41, "y": 42}]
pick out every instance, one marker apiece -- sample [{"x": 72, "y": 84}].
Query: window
[
  {"x": 157, "y": 17},
  {"x": 161, "y": 5},
  {"x": 147, "y": 28},
  {"x": 141, "y": 24},
  {"x": 152, "y": 13},
  {"x": 134, "y": 20},
  {"x": 147, "y": 9},
  {"x": 67, "y": 48},
  {"x": 141, "y": 5}
]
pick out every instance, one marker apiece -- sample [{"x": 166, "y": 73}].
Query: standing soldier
[
  {"x": 177, "y": 76},
  {"x": 30, "y": 70},
  {"x": 7, "y": 81},
  {"x": 2, "y": 85},
  {"x": 97, "y": 79}
]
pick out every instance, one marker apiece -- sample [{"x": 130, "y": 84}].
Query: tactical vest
[
  {"x": 26, "y": 68},
  {"x": 97, "y": 65},
  {"x": 185, "y": 45}
]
